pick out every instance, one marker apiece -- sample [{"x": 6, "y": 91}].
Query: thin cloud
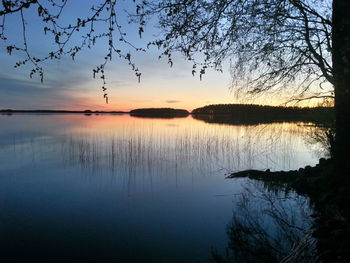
[
  {"x": 172, "y": 101},
  {"x": 26, "y": 94}
]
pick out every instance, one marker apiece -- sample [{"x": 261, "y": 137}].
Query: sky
[{"x": 70, "y": 85}]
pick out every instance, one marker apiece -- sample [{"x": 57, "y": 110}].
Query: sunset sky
[{"x": 69, "y": 84}]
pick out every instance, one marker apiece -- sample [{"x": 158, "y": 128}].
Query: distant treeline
[
  {"x": 159, "y": 112},
  {"x": 87, "y": 112},
  {"x": 254, "y": 114}
]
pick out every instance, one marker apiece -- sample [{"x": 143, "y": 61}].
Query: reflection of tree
[
  {"x": 269, "y": 227},
  {"x": 322, "y": 136}
]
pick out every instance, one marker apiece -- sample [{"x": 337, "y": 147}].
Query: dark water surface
[{"x": 113, "y": 188}]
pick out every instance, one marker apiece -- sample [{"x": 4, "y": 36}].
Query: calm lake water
[{"x": 115, "y": 188}]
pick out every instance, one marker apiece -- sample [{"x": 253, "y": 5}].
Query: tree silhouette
[
  {"x": 271, "y": 44},
  {"x": 63, "y": 35}
]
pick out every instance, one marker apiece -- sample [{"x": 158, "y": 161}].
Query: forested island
[
  {"x": 217, "y": 113},
  {"x": 159, "y": 113},
  {"x": 254, "y": 114}
]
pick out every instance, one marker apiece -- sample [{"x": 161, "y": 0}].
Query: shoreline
[{"x": 327, "y": 195}]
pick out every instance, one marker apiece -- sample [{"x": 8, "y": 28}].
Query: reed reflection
[
  {"x": 145, "y": 149},
  {"x": 134, "y": 177},
  {"x": 170, "y": 150}
]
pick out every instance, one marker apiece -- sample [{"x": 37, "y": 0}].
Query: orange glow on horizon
[{"x": 98, "y": 104}]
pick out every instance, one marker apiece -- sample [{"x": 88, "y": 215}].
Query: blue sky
[{"x": 69, "y": 84}]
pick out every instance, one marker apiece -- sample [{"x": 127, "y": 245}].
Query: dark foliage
[
  {"x": 159, "y": 112},
  {"x": 255, "y": 114}
]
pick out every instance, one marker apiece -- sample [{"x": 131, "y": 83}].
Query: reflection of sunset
[
  {"x": 128, "y": 169},
  {"x": 274, "y": 146}
]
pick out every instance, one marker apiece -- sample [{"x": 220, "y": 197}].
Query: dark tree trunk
[{"x": 341, "y": 67}]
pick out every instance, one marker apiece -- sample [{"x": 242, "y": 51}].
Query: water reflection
[
  {"x": 116, "y": 184},
  {"x": 321, "y": 139},
  {"x": 269, "y": 226},
  {"x": 320, "y": 135},
  {"x": 116, "y": 141},
  {"x": 228, "y": 119},
  {"x": 148, "y": 150}
]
